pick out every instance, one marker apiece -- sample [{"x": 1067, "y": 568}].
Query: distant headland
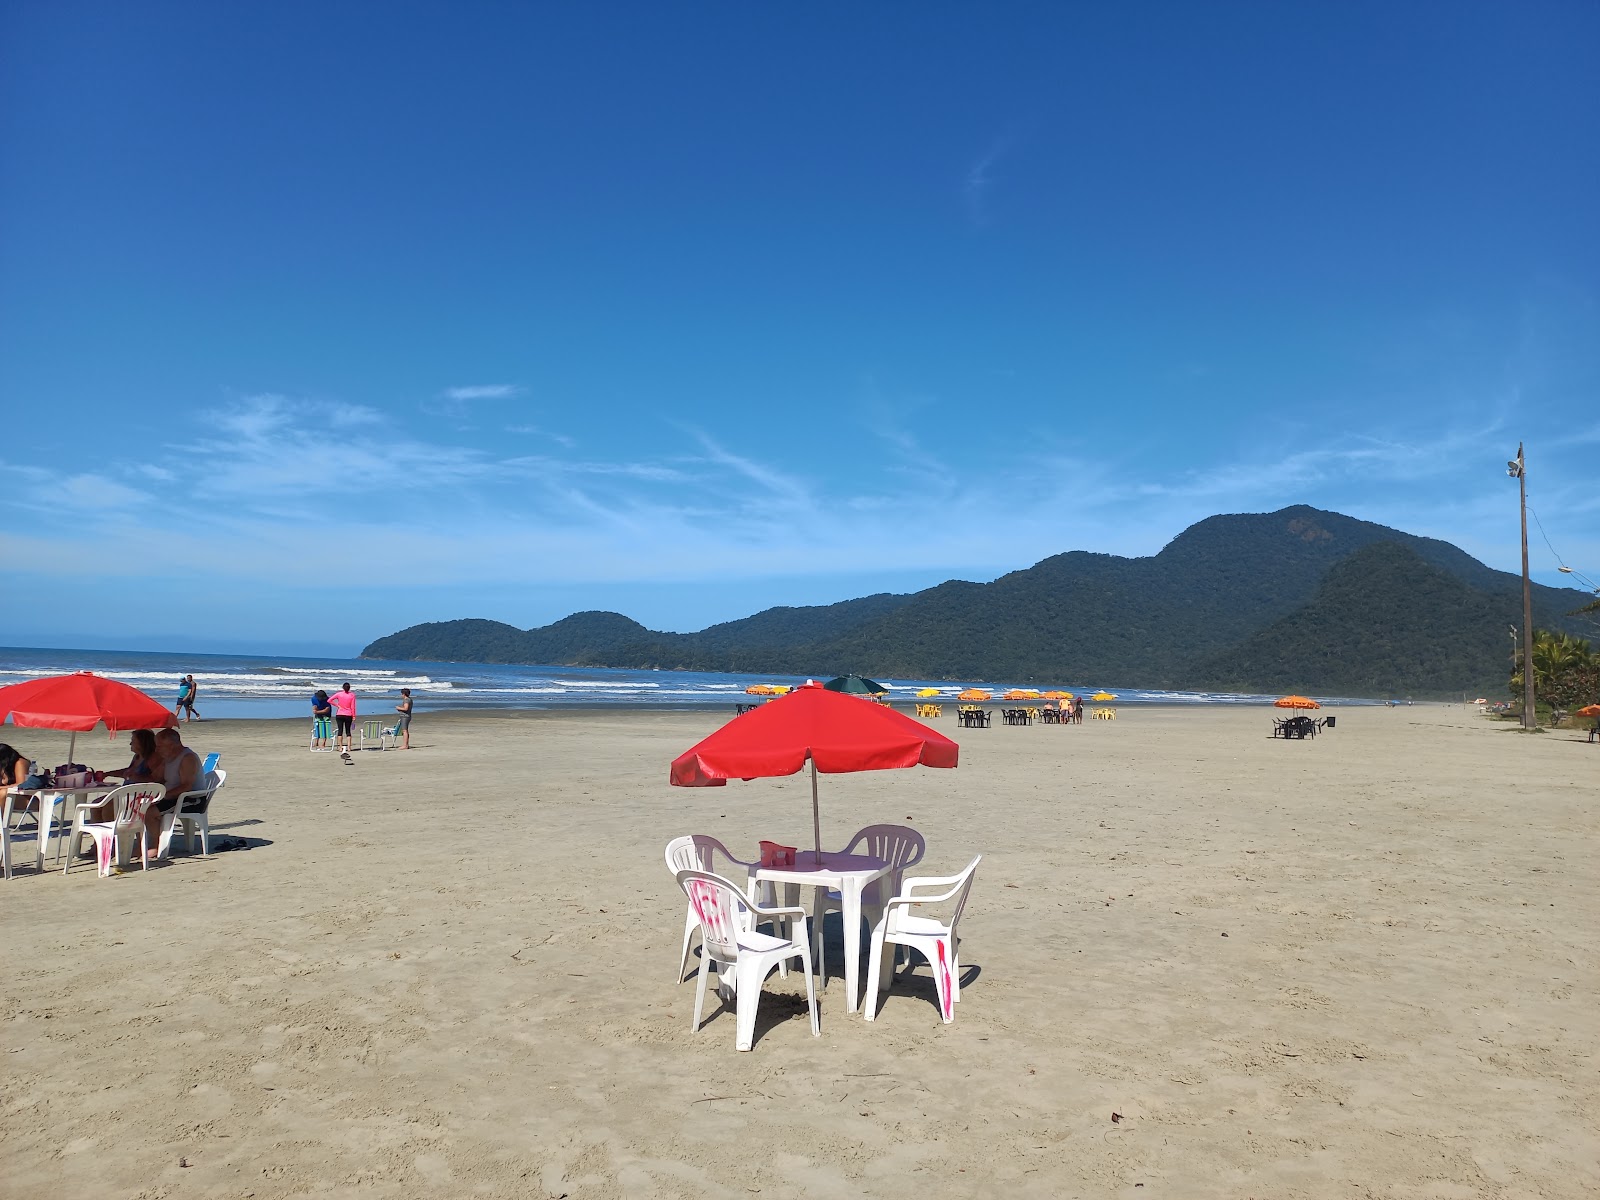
[{"x": 1299, "y": 599}]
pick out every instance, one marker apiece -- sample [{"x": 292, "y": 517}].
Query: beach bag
[
  {"x": 37, "y": 780},
  {"x": 73, "y": 775}
]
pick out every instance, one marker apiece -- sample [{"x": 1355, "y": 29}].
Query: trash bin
[{"x": 1331, "y": 721}]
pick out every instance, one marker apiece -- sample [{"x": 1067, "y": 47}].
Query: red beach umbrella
[
  {"x": 835, "y": 732},
  {"x": 80, "y": 702}
]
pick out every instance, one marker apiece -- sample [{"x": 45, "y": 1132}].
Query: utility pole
[{"x": 1517, "y": 468}]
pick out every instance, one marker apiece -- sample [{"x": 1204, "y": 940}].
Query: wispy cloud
[
  {"x": 483, "y": 391},
  {"x": 978, "y": 184},
  {"x": 386, "y": 504},
  {"x": 559, "y": 439},
  {"x": 1356, "y": 458},
  {"x": 46, "y": 490}
]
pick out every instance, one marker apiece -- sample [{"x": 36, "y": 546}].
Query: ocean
[{"x": 255, "y": 685}]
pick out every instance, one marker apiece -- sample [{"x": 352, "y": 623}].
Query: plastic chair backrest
[
  {"x": 681, "y": 855},
  {"x": 916, "y": 890},
  {"x": 966, "y": 887},
  {"x": 898, "y": 845},
  {"x": 211, "y": 762},
  {"x": 721, "y": 910},
  {"x": 131, "y": 801},
  {"x": 208, "y": 788}
]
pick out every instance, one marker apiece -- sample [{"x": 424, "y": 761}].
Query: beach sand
[{"x": 1359, "y": 966}]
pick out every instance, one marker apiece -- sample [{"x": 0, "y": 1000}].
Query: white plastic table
[
  {"x": 73, "y": 796},
  {"x": 850, "y": 874}
]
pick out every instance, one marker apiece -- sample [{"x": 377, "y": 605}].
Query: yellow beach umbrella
[
  {"x": 1295, "y": 702},
  {"x": 1058, "y": 695},
  {"x": 927, "y": 692},
  {"x": 1102, "y": 696},
  {"x": 781, "y": 689}
]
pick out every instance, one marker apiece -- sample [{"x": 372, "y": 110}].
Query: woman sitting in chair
[{"x": 145, "y": 765}]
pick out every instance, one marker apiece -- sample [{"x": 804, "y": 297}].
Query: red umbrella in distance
[
  {"x": 834, "y": 732},
  {"x": 80, "y": 702}
]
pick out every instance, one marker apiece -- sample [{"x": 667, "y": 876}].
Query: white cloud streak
[
  {"x": 279, "y": 503},
  {"x": 487, "y": 391}
]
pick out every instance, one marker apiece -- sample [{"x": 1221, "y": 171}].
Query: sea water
[{"x": 255, "y": 685}]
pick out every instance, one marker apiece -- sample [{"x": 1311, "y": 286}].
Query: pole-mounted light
[{"x": 1517, "y": 469}]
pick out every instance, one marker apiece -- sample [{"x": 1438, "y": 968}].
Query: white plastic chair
[
  {"x": 902, "y": 925},
  {"x": 699, "y": 852},
  {"x": 899, "y": 845},
  {"x": 728, "y": 921},
  {"x": 376, "y": 731},
  {"x": 192, "y": 813},
  {"x": 129, "y": 804}
]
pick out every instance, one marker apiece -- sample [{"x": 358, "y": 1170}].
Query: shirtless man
[{"x": 179, "y": 769}]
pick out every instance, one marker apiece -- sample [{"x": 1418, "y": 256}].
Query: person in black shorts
[
  {"x": 344, "y": 717},
  {"x": 404, "y": 709},
  {"x": 188, "y": 689}
]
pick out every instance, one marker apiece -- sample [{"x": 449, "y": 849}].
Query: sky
[{"x": 321, "y": 320}]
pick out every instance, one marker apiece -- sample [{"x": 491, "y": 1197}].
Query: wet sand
[{"x": 1359, "y": 966}]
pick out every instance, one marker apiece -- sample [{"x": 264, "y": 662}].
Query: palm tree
[{"x": 1558, "y": 661}]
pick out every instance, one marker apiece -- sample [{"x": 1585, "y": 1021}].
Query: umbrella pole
[
  {"x": 816, "y": 819},
  {"x": 72, "y": 747}
]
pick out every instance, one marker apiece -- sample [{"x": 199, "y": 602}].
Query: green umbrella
[{"x": 857, "y": 685}]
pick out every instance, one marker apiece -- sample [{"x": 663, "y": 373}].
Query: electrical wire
[{"x": 1565, "y": 570}]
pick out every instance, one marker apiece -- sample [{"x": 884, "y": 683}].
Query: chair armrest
[
  {"x": 951, "y": 884},
  {"x": 789, "y": 911}
]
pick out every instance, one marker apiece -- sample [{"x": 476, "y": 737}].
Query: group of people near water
[
  {"x": 158, "y": 757},
  {"x": 340, "y": 710}
]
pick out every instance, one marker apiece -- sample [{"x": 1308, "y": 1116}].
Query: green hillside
[
  {"x": 1243, "y": 601},
  {"x": 1373, "y": 629}
]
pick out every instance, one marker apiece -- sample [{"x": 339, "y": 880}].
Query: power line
[{"x": 1561, "y": 565}]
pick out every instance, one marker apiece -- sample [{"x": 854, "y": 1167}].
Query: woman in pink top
[{"x": 344, "y": 716}]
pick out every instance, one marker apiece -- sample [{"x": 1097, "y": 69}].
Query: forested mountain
[
  {"x": 1298, "y": 598},
  {"x": 1373, "y": 630}
]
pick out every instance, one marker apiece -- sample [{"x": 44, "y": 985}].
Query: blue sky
[{"x": 317, "y": 321}]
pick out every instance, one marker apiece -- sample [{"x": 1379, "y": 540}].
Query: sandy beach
[{"x": 1359, "y": 966}]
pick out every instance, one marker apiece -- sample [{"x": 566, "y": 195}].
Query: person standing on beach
[
  {"x": 344, "y": 717},
  {"x": 187, "y": 690},
  {"x": 321, "y": 721},
  {"x": 404, "y": 709}
]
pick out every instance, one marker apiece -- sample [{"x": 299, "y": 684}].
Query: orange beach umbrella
[
  {"x": 1589, "y": 710},
  {"x": 1295, "y": 702}
]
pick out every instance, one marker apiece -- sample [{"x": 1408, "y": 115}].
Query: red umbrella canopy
[
  {"x": 837, "y": 732},
  {"x": 80, "y": 702}
]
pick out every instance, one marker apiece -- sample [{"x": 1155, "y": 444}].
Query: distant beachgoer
[
  {"x": 404, "y": 709},
  {"x": 344, "y": 717},
  {"x": 187, "y": 691},
  {"x": 1077, "y": 710},
  {"x": 321, "y": 721}
]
